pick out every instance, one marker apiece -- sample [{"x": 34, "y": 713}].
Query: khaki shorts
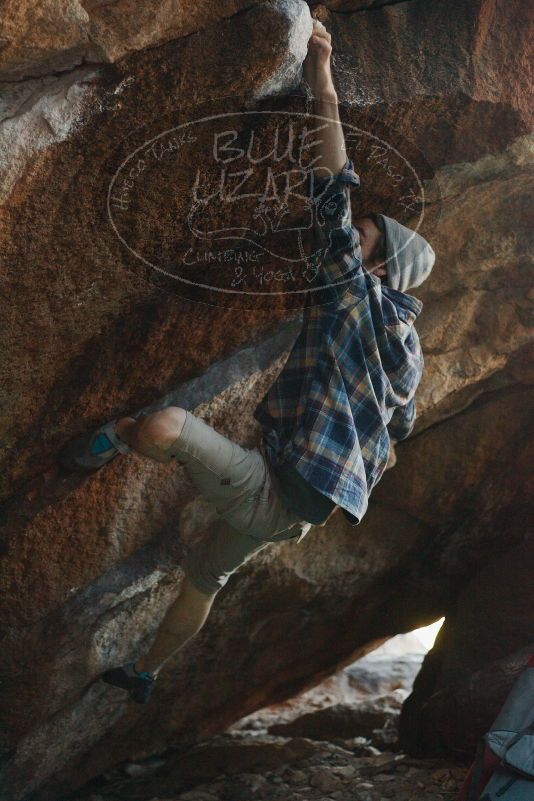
[{"x": 243, "y": 489}]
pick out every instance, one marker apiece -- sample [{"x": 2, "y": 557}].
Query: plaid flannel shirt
[{"x": 350, "y": 378}]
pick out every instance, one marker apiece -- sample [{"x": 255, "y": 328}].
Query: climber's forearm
[{"x": 330, "y": 154}]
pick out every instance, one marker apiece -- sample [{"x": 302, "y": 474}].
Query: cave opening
[{"x": 361, "y": 701}]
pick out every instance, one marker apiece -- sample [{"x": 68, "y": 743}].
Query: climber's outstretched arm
[
  {"x": 332, "y": 174},
  {"x": 330, "y": 154}
]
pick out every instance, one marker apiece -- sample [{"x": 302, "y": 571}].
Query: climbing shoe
[
  {"x": 139, "y": 685},
  {"x": 91, "y": 450}
]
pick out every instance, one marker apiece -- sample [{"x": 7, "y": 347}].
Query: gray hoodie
[{"x": 409, "y": 257}]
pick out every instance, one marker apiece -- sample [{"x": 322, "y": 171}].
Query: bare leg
[
  {"x": 184, "y": 618},
  {"x": 152, "y": 436}
]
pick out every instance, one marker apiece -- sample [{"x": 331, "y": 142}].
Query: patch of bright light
[{"x": 427, "y": 634}]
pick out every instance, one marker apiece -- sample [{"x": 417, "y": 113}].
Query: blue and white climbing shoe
[
  {"x": 91, "y": 450},
  {"x": 139, "y": 685}
]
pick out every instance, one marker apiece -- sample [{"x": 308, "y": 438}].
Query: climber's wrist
[
  {"x": 326, "y": 95},
  {"x": 326, "y": 98},
  {"x": 323, "y": 87}
]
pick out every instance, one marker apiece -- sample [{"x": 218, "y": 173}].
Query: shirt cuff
[{"x": 347, "y": 176}]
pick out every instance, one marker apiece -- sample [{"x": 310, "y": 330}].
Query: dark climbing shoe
[
  {"x": 139, "y": 685},
  {"x": 93, "y": 450}
]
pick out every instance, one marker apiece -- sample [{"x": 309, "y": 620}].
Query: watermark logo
[{"x": 226, "y": 205}]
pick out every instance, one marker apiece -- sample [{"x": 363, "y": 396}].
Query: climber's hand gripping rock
[{"x": 316, "y": 68}]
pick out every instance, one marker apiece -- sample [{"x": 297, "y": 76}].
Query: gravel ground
[{"x": 249, "y": 767}]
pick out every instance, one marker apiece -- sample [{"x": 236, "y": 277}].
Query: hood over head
[{"x": 409, "y": 257}]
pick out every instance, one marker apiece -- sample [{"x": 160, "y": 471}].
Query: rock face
[{"x": 96, "y": 324}]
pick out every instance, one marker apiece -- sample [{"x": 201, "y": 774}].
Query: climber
[{"x": 343, "y": 397}]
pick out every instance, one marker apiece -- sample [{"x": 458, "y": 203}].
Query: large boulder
[
  {"x": 486, "y": 642},
  {"x": 92, "y": 328}
]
